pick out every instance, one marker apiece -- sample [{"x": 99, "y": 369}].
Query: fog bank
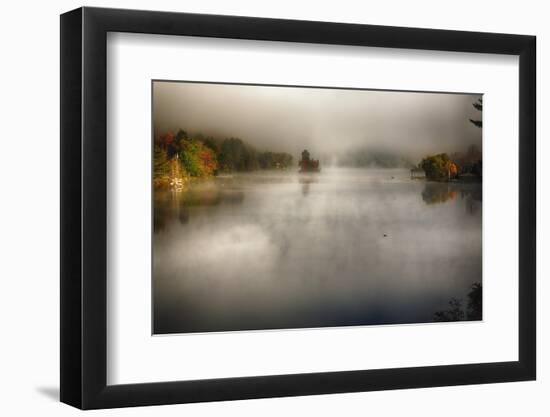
[{"x": 325, "y": 121}]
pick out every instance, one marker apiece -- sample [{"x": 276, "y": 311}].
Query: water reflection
[
  {"x": 436, "y": 193},
  {"x": 168, "y": 208},
  {"x": 175, "y": 205},
  {"x": 472, "y": 197},
  {"x": 469, "y": 193},
  {"x": 306, "y": 181},
  {"x": 249, "y": 251}
]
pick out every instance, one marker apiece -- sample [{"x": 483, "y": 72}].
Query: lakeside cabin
[
  {"x": 307, "y": 164},
  {"x": 417, "y": 173}
]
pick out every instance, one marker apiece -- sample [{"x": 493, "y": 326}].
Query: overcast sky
[{"x": 325, "y": 121}]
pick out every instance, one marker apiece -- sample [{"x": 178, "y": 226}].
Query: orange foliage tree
[
  {"x": 453, "y": 170},
  {"x": 209, "y": 161}
]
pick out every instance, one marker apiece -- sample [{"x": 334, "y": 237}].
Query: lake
[{"x": 279, "y": 249}]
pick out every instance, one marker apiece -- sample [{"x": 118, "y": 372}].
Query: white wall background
[{"x": 29, "y": 225}]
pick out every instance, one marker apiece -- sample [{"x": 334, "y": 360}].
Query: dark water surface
[{"x": 270, "y": 250}]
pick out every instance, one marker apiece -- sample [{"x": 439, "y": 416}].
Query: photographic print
[{"x": 284, "y": 207}]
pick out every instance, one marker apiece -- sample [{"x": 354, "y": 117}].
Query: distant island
[
  {"x": 441, "y": 167},
  {"x": 307, "y": 164}
]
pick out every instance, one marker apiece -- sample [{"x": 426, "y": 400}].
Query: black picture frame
[{"x": 84, "y": 207}]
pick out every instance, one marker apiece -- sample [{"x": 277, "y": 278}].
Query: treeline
[
  {"x": 179, "y": 157},
  {"x": 442, "y": 167},
  {"x": 364, "y": 158},
  {"x": 469, "y": 162}
]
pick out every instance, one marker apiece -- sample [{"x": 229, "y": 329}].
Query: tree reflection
[
  {"x": 435, "y": 193},
  {"x": 306, "y": 183},
  {"x": 438, "y": 193},
  {"x": 168, "y": 207},
  {"x": 472, "y": 198},
  {"x": 175, "y": 206}
]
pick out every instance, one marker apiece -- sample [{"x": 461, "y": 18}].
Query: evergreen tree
[{"x": 478, "y": 105}]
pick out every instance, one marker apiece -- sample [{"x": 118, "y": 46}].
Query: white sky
[{"x": 323, "y": 120}]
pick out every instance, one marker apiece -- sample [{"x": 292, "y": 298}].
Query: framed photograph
[{"x": 258, "y": 208}]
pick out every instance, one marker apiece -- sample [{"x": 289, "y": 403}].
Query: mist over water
[{"x": 278, "y": 249}]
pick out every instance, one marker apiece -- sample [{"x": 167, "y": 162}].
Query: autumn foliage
[
  {"x": 439, "y": 167},
  {"x": 197, "y": 156},
  {"x": 442, "y": 167},
  {"x": 453, "y": 170},
  {"x": 178, "y": 158}
]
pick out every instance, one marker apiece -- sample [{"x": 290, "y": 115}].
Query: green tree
[
  {"x": 436, "y": 167},
  {"x": 181, "y": 136},
  {"x": 197, "y": 159},
  {"x": 274, "y": 160},
  {"x": 236, "y": 156},
  {"x": 212, "y": 143}
]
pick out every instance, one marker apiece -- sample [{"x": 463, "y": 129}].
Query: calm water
[{"x": 285, "y": 250}]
